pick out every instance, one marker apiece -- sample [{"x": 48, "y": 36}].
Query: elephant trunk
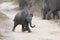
[{"x": 31, "y": 25}]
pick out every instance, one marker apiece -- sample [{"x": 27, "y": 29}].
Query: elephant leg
[
  {"x": 45, "y": 10},
  {"x": 44, "y": 15},
  {"x": 49, "y": 14},
  {"x": 23, "y": 29},
  {"x": 57, "y": 14},
  {"x": 15, "y": 24},
  {"x": 27, "y": 27},
  {"x": 48, "y": 17},
  {"x": 54, "y": 15}
]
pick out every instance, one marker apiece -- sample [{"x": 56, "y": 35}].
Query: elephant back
[
  {"x": 53, "y": 4},
  {"x": 20, "y": 17}
]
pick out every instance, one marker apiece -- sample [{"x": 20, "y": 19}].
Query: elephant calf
[{"x": 24, "y": 18}]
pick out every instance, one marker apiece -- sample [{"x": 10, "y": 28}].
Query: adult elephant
[
  {"x": 24, "y": 3},
  {"x": 24, "y": 18},
  {"x": 46, "y": 9},
  {"x": 54, "y": 6}
]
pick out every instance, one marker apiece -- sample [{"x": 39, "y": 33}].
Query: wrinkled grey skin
[
  {"x": 54, "y": 6},
  {"x": 45, "y": 10},
  {"x": 24, "y": 18}
]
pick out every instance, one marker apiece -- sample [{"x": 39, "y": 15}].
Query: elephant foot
[
  {"x": 29, "y": 31},
  {"x": 23, "y": 31},
  {"x": 44, "y": 18},
  {"x": 48, "y": 18},
  {"x": 13, "y": 30},
  {"x": 58, "y": 18}
]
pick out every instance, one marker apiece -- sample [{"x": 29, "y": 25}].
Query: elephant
[
  {"x": 24, "y": 18},
  {"x": 54, "y": 6},
  {"x": 46, "y": 10},
  {"x": 24, "y": 3},
  {"x": 55, "y": 13}
]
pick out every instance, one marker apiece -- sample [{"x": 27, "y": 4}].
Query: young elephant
[{"x": 24, "y": 18}]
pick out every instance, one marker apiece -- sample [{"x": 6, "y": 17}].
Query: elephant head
[{"x": 29, "y": 17}]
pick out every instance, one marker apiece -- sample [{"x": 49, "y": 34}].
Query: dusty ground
[{"x": 44, "y": 30}]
